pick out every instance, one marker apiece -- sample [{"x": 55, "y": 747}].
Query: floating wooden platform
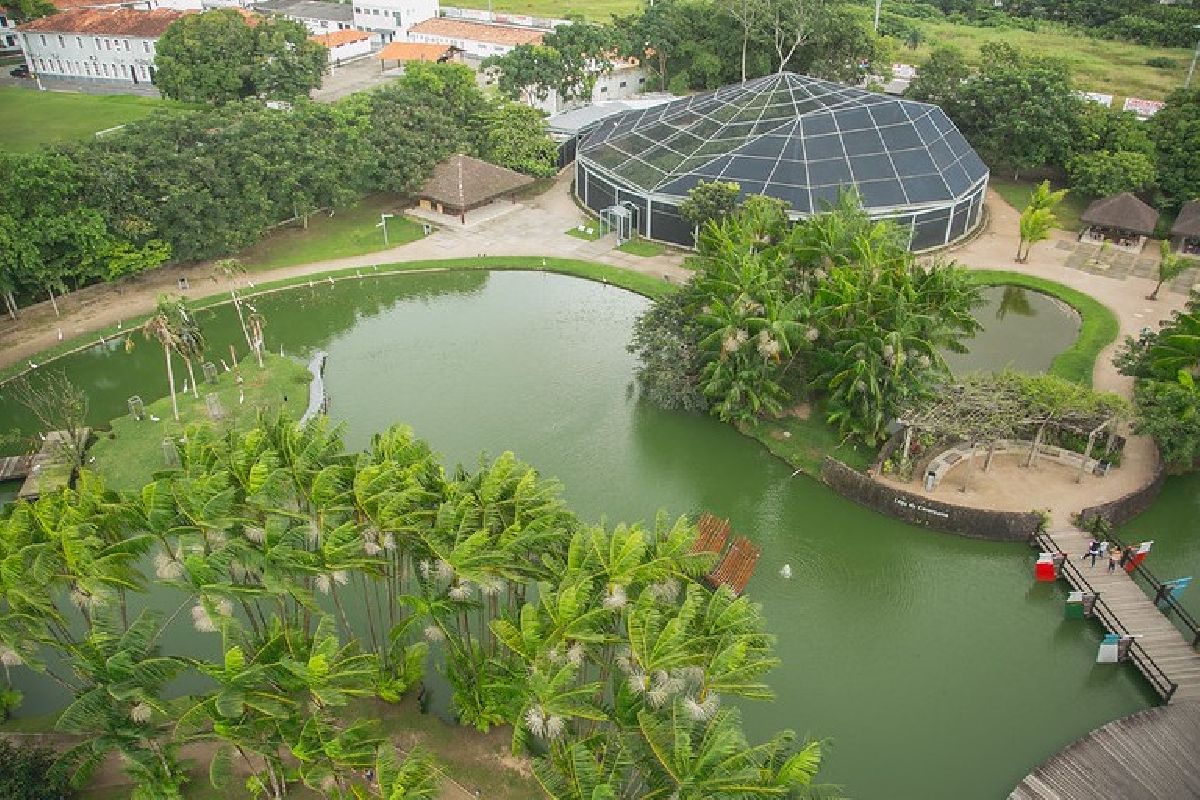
[
  {"x": 736, "y": 567},
  {"x": 1150, "y": 755},
  {"x": 15, "y": 467},
  {"x": 46, "y": 474},
  {"x": 713, "y": 532},
  {"x": 1169, "y": 661}
]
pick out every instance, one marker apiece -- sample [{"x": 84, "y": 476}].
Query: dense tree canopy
[
  {"x": 1176, "y": 134},
  {"x": 223, "y": 55},
  {"x": 193, "y": 184},
  {"x": 323, "y": 576},
  {"x": 834, "y": 308}
]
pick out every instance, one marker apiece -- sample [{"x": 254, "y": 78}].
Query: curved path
[
  {"x": 536, "y": 228},
  {"x": 1150, "y": 755}
]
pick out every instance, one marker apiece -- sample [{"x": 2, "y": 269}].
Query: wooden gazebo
[
  {"x": 1186, "y": 230},
  {"x": 461, "y": 183},
  {"x": 1122, "y": 220}
]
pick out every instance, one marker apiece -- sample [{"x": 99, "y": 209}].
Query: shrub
[
  {"x": 26, "y": 774},
  {"x": 1160, "y": 62}
]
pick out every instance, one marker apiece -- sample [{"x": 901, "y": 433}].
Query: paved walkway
[
  {"x": 538, "y": 228},
  {"x": 1150, "y": 755}
]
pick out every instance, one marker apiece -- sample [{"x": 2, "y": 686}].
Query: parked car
[{"x": 20, "y": 72}]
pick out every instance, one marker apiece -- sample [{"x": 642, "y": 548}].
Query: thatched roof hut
[
  {"x": 461, "y": 183},
  {"x": 1121, "y": 212},
  {"x": 1187, "y": 224}
]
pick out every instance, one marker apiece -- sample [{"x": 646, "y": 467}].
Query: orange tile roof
[
  {"x": 409, "y": 51},
  {"x": 478, "y": 31},
  {"x": 112, "y": 22},
  {"x": 335, "y": 38},
  {"x": 67, "y": 5}
]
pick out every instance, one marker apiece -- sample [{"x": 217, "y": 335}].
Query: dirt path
[{"x": 535, "y": 228}]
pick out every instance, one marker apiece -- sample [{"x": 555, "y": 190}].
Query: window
[
  {"x": 97, "y": 42},
  {"x": 622, "y": 84},
  {"x": 357, "y": 10},
  {"x": 641, "y": 80},
  {"x": 397, "y": 16},
  {"x": 108, "y": 44},
  {"x": 3, "y": 21},
  {"x": 603, "y": 89},
  {"x": 128, "y": 45},
  {"x": 87, "y": 68},
  {"x": 145, "y": 47},
  {"x": 106, "y": 70},
  {"x": 61, "y": 41},
  {"x": 43, "y": 38},
  {"x": 79, "y": 42},
  {"x": 124, "y": 71}
]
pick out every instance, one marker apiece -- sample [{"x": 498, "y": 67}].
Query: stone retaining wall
[
  {"x": 912, "y": 508},
  {"x": 1125, "y": 508}
]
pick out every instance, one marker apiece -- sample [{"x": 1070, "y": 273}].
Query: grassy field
[
  {"x": 1098, "y": 329},
  {"x": 1016, "y": 194},
  {"x": 349, "y": 232},
  {"x": 128, "y": 456},
  {"x": 643, "y": 248},
  {"x": 1099, "y": 65},
  {"x": 31, "y": 118}
]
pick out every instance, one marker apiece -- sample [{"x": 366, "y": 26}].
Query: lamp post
[
  {"x": 878, "y": 3},
  {"x": 1187, "y": 84},
  {"x": 383, "y": 218}
]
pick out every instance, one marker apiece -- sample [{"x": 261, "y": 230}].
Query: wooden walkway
[
  {"x": 1151, "y": 755},
  {"x": 712, "y": 532},
  {"x": 737, "y": 565},
  {"x": 1161, "y": 652},
  {"x": 46, "y": 472},
  {"x": 15, "y": 467}
]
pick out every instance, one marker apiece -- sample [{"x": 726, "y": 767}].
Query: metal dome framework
[{"x": 795, "y": 138}]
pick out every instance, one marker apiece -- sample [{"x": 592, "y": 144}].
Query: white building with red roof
[{"x": 96, "y": 44}]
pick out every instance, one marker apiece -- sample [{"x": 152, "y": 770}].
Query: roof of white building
[
  {"x": 468, "y": 30},
  {"x": 308, "y": 9},
  {"x": 110, "y": 22}
]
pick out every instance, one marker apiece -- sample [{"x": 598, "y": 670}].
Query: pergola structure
[
  {"x": 1186, "y": 230},
  {"x": 985, "y": 410},
  {"x": 1122, "y": 220}
]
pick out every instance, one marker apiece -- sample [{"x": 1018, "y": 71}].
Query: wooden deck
[
  {"x": 1151, "y": 755},
  {"x": 736, "y": 567},
  {"x": 712, "y": 533},
  {"x": 15, "y": 467},
  {"x": 1161, "y": 650},
  {"x": 46, "y": 474}
]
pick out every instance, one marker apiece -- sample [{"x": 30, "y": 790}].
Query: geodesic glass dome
[{"x": 795, "y": 138}]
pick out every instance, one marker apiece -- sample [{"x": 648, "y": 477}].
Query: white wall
[
  {"x": 623, "y": 82},
  {"x": 392, "y": 17},
  {"x": 9, "y": 38},
  {"x": 344, "y": 52},
  {"x": 113, "y": 58}
]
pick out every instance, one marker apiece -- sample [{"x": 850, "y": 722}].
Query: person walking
[
  {"x": 1126, "y": 555},
  {"x": 1116, "y": 555},
  {"x": 1093, "y": 551}
]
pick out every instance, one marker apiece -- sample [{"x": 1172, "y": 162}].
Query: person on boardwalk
[
  {"x": 1116, "y": 556},
  {"x": 1126, "y": 555},
  {"x": 1093, "y": 551}
]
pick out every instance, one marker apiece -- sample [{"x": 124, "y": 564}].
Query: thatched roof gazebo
[
  {"x": 1123, "y": 220},
  {"x": 461, "y": 183},
  {"x": 1186, "y": 230}
]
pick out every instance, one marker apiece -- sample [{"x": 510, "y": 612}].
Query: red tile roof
[
  {"x": 477, "y": 31},
  {"x": 335, "y": 38},
  {"x": 110, "y": 22},
  {"x": 411, "y": 51}
]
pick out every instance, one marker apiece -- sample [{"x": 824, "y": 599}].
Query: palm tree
[
  {"x": 1038, "y": 218},
  {"x": 1170, "y": 264},
  {"x": 160, "y": 328},
  {"x": 122, "y": 682},
  {"x": 189, "y": 338}
]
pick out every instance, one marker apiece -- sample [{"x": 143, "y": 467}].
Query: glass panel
[
  {"x": 818, "y": 147},
  {"x": 818, "y": 124},
  {"x": 901, "y": 137},
  {"x": 872, "y": 168},
  {"x": 888, "y": 114},
  {"x": 925, "y": 188},
  {"x": 862, "y": 143},
  {"x": 913, "y": 162},
  {"x": 833, "y": 171},
  {"x": 854, "y": 119},
  {"x": 750, "y": 168},
  {"x": 882, "y": 193}
]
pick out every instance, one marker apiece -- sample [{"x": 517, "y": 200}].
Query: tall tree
[
  {"x": 516, "y": 138},
  {"x": 221, "y": 55},
  {"x": 162, "y": 329},
  {"x": 1104, "y": 173},
  {"x": 1176, "y": 133}
]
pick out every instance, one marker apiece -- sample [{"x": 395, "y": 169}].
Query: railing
[
  {"x": 1145, "y": 664},
  {"x": 1163, "y": 599}
]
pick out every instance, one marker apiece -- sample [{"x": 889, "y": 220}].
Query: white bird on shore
[
  {"x": 32, "y": 365},
  {"x": 154, "y": 418},
  {"x": 794, "y": 474},
  {"x": 331, "y": 280},
  {"x": 786, "y": 571}
]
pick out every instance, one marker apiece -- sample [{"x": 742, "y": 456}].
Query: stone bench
[{"x": 947, "y": 459}]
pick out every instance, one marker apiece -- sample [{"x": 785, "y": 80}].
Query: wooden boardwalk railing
[{"x": 1160, "y": 651}]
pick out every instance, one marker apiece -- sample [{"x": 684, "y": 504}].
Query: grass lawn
[
  {"x": 804, "y": 443},
  {"x": 349, "y": 232},
  {"x": 32, "y": 118},
  {"x": 643, "y": 248},
  {"x": 129, "y": 455},
  {"x": 590, "y": 232},
  {"x": 1098, "y": 329},
  {"x": 1017, "y": 193}
]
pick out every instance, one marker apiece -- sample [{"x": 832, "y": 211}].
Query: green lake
[{"x": 934, "y": 664}]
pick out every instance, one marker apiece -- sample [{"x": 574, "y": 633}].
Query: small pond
[
  {"x": 1022, "y": 329},
  {"x": 934, "y": 663}
]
